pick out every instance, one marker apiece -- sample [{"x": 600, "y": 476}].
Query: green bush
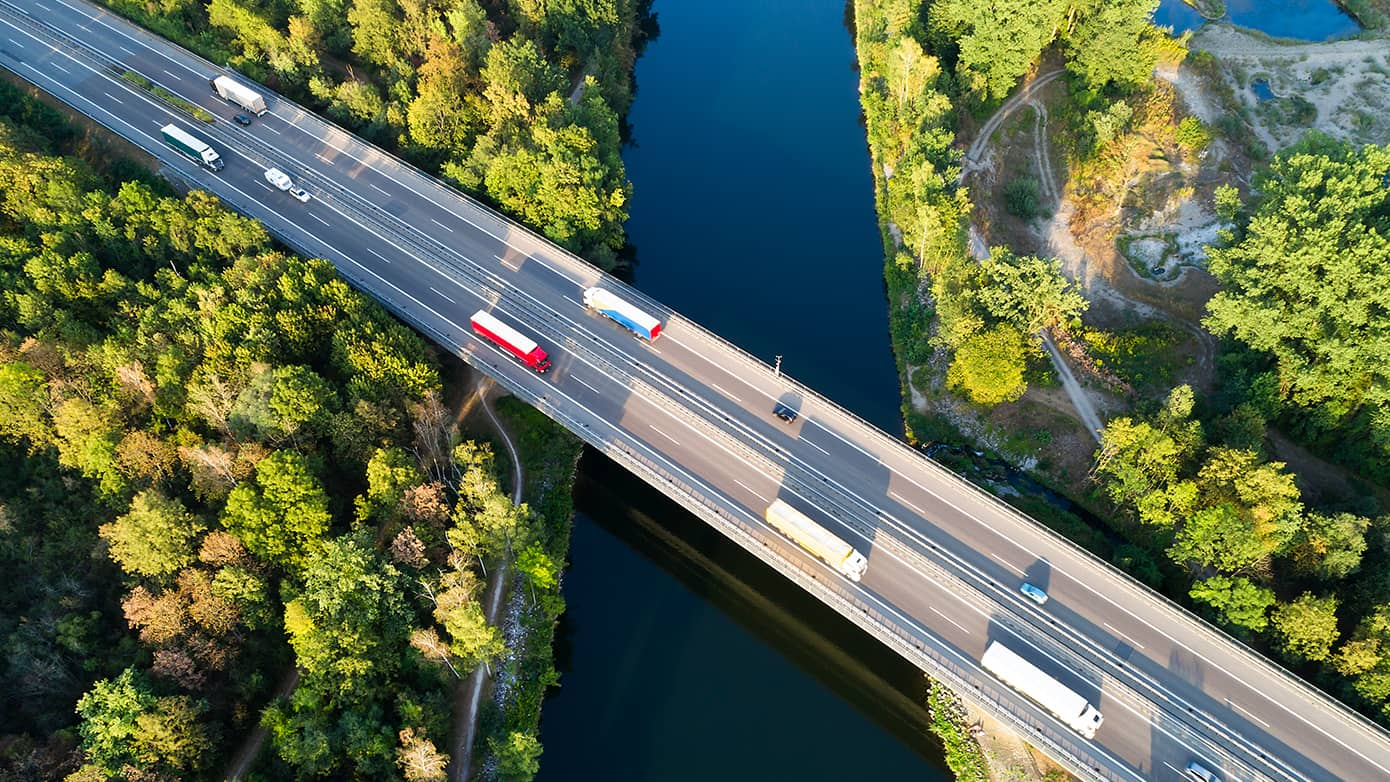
[
  {"x": 1022, "y": 198},
  {"x": 1192, "y": 135}
]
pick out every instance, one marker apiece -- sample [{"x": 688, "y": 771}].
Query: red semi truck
[{"x": 511, "y": 340}]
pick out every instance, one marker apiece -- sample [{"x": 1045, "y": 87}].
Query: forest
[
  {"x": 223, "y": 466},
  {"x": 517, "y": 102},
  {"x": 1302, "y": 317}
]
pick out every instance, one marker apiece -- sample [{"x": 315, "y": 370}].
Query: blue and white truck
[{"x": 635, "y": 320}]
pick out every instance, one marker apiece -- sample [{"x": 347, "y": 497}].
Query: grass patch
[
  {"x": 168, "y": 97},
  {"x": 949, "y": 723},
  {"x": 1141, "y": 356}
]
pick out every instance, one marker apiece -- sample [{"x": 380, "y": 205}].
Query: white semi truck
[
  {"x": 817, "y": 539},
  {"x": 239, "y": 94},
  {"x": 1062, "y": 701},
  {"x": 193, "y": 149}
]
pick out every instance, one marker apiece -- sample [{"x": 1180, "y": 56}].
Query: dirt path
[
  {"x": 1085, "y": 407},
  {"x": 251, "y": 747},
  {"x": 469, "y": 691}
]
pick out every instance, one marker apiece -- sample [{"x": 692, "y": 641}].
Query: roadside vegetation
[
  {"x": 476, "y": 91},
  {"x": 222, "y": 464},
  {"x": 1194, "y": 500}
]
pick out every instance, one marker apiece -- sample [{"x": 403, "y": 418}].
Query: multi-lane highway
[{"x": 692, "y": 414}]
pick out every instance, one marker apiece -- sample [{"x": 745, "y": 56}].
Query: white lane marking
[
  {"x": 13, "y": 42},
  {"x": 377, "y": 254},
  {"x": 320, "y": 219},
  {"x": 324, "y": 159},
  {"x": 379, "y": 190},
  {"x": 516, "y": 268},
  {"x": 107, "y": 94},
  {"x": 272, "y": 130},
  {"x": 441, "y": 225},
  {"x": 652, "y": 349},
  {"x": 44, "y": 7},
  {"x": 817, "y": 447},
  {"x": 172, "y": 75},
  {"x": 949, "y": 619},
  {"x": 1007, "y": 564},
  {"x": 442, "y": 296},
  {"x": 562, "y": 274},
  {"x": 127, "y": 51},
  {"x": 725, "y": 393},
  {"x": 1112, "y": 629},
  {"x": 899, "y": 498},
  {"x": 663, "y": 434},
  {"x": 749, "y": 489},
  {"x": 586, "y": 385},
  {"x": 64, "y": 70},
  {"x": 1246, "y": 712}
]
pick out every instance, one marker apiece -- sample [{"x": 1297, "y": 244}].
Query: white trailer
[
  {"x": 1062, "y": 701},
  {"x": 817, "y": 539},
  {"x": 239, "y": 94}
]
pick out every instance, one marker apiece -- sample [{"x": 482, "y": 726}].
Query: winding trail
[
  {"x": 468, "y": 692},
  {"x": 250, "y": 749},
  {"x": 1085, "y": 408}
]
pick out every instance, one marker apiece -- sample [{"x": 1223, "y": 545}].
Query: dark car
[
  {"x": 242, "y": 119},
  {"x": 783, "y": 412}
]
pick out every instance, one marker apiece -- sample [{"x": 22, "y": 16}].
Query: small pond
[
  {"x": 1261, "y": 89},
  {"x": 1306, "y": 20}
]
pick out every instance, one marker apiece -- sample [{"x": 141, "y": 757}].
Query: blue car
[{"x": 1036, "y": 595}]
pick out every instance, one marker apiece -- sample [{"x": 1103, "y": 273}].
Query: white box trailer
[
  {"x": 1061, "y": 700},
  {"x": 817, "y": 539},
  {"x": 239, "y": 94}
]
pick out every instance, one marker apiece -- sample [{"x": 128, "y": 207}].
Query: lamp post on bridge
[{"x": 777, "y": 368}]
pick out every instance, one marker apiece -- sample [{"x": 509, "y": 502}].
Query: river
[
  {"x": 682, "y": 657},
  {"x": 1304, "y": 20}
]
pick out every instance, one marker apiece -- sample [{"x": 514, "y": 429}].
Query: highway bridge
[{"x": 691, "y": 414}]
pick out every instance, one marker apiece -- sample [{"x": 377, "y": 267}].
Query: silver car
[{"x": 300, "y": 194}]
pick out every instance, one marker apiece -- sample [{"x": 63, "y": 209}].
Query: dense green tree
[
  {"x": 87, "y": 438},
  {"x": 24, "y": 403},
  {"x": 1330, "y": 546},
  {"x": 1237, "y": 601},
  {"x": 999, "y": 40},
  {"x": 390, "y": 474},
  {"x": 349, "y": 623},
  {"x": 518, "y": 756},
  {"x": 108, "y": 715},
  {"x": 1028, "y": 292},
  {"x": 1306, "y": 628},
  {"x": 1305, "y": 281},
  {"x": 989, "y": 367},
  {"x": 1109, "y": 42},
  {"x": 1221, "y": 537},
  {"x": 155, "y": 538},
  {"x": 283, "y": 516}
]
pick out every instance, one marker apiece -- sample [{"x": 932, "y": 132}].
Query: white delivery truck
[
  {"x": 239, "y": 94},
  {"x": 817, "y": 539},
  {"x": 1047, "y": 692}
]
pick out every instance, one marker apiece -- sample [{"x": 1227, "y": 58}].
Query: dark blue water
[
  {"x": 1261, "y": 89},
  {"x": 681, "y": 656},
  {"x": 754, "y": 205},
  {"x": 1305, "y": 20}
]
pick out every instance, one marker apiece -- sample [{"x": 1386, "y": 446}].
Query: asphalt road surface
[{"x": 945, "y": 559}]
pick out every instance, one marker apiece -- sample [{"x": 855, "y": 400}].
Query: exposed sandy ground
[{"x": 1348, "y": 82}]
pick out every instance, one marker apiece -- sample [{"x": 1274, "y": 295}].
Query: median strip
[{"x": 165, "y": 96}]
